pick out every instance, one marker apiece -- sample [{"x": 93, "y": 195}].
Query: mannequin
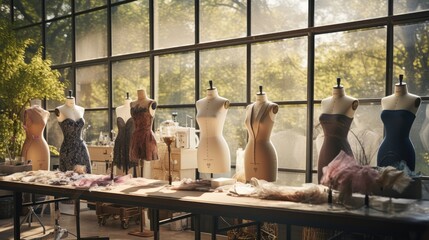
[
  {"x": 336, "y": 118},
  {"x": 125, "y": 123},
  {"x": 143, "y": 143},
  {"x": 260, "y": 156},
  {"x": 73, "y": 150},
  {"x": 35, "y": 148},
  {"x": 213, "y": 155},
  {"x": 399, "y": 112}
]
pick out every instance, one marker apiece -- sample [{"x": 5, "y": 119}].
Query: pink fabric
[{"x": 347, "y": 176}]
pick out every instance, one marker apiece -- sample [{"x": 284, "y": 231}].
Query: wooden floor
[{"x": 90, "y": 228}]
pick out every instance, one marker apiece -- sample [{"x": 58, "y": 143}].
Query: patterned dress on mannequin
[
  {"x": 73, "y": 150},
  {"x": 143, "y": 141},
  {"x": 121, "y": 150}
]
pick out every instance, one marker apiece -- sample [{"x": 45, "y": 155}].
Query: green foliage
[{"x": 20, "y": 82}]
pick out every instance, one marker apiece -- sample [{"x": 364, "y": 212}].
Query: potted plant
[{"x": 20, "y": 81}]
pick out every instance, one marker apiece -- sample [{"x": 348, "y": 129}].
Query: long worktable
[{"x": 411, "y": 222}]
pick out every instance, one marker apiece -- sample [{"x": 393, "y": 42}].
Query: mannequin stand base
[{"x": 144, "y": 233}]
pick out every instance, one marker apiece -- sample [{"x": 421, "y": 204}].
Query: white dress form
[
  {"x": 35, "y": 148},
  {"x": 69, "y": 110},
  {"x": 260, "y": 156},
  {"x": 401, "y": 99},
  {"x": 213, "y": 154},
  {"x": 339, "y": 102},
  {"x": 124, "y": 111}
]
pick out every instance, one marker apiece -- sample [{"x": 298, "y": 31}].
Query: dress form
[
  {"x": 35, "y": 148},
  {"x": 143, "y": 141},
  {"x": 398, "y": 115},
  {"x": 213, "y": 155},
  {"x": 69, "y": 110},
  {"x": 125, "y": 124},
  {"x": 260, "y": 156},
  {"x": 337, "y": 115},
  {"x": 339, "y": 102},
  {"x": 124, "y": 111},
  {"x": 73, "y": 150}
]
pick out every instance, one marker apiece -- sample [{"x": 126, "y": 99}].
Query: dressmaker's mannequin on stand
[
  {"x": 73, "y": 150},
  {"x": 35, "y": 148},
  {"x": 213, "y": 155},
  {"x": 143, "y": 144},
  {"x": 399, "y": 112},
  {"x": 125, "y": 123},
  {"x": 337, "y": 115},
  {"x": 260, "y": 156}
]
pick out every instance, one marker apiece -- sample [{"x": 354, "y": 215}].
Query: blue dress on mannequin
[{"x": 396, "y": 145}]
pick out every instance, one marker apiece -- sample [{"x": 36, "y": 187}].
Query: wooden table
[{"x": 412, "y": 222}]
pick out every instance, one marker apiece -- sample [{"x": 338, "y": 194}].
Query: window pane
[
  {"x": 91, "y": 35},
  {"x": 293, "y": 179},
  {"x": 406, "y": 6},
  {"x": 67, "y": 78},
  {"x": 224, "y": 66},
  {"x": 35, "y": 34},
  {"x": 174, "y": 23},
  {"x": 290, "y": 124},
  {"x": 419, "y": 136},
  {"x": 281, "y": 68},
  {"x": 5, "y": 10},
  {"x": 82, "y": 5},
  {"x": 27, "y": 12},
  {"x": 278, "y": 15},
  {"x": 359, "y": 63},
  {"x": 222, "y": 19},
  {"x": 59, "y": 41},
  {"x": 365, "y": 135},
  {"x": 330, "y": 12},
  {"x": 95, "y": 122},
  {"x": 234, "y": 130},
  {"x": 55, "y": 136},
  {"x": 128, "y": 76},
  {"x": 175, "y": 78},
  {"x": 92, "y": 87},
  {"x": 410, "y": 56},
  {"x": 184, "y": 115},
  {"x": 130, "y": 27},
  {"x": 57, "y": 8}
]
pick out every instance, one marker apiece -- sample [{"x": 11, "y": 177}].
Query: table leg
[
  {"x": 77, "y": 214},
  {"x": 154, "y": 223},
  {"x": 17, "y": 199},
  {"x": 197, "y": 226},
  {"x": 214, "y": 226}
]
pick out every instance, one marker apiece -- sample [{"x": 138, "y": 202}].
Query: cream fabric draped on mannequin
[
  {"x": 260, "y": 156},
  {"x": 213, "y": 154}
]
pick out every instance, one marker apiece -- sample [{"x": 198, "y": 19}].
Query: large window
[{"x": 294, "y": 49}]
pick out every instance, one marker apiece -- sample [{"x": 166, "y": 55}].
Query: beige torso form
[
  {"x": 35, "y": 147},
  {"x": 339, "y": 103},
  {"x": 260, "y": 156},
  {"x": 213, "y": 154},
  {"x": 401, "y": 100}
]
